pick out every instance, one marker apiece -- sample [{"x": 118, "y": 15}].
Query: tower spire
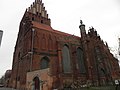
[{"x": 82, "y": 29}]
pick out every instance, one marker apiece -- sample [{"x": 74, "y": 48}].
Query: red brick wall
[{"x": 49, "y": 42}]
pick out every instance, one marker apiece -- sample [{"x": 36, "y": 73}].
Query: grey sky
[{"x": 103, "y": 15}]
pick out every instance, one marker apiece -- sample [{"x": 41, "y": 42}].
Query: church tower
[
  {"x": 48, "y": 59},
  {"x": 34, "y": 17}
]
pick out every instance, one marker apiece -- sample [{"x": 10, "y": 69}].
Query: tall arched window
[
  {"x": 99, "y": 61},
  {"x": 80, "y": 61},
  {"x": 44, "y": 63},
  {"x": 66, "y": 59}
]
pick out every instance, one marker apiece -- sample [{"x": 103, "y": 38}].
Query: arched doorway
[{"x": 36, "y": 83}]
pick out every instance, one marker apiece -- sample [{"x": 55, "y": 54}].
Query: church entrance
[{"x": 36, "y": 83}]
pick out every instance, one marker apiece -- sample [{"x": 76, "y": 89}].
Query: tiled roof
[{"x": 50, "y": 29}]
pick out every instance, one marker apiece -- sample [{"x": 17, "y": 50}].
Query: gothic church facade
[{"x": 47, "y": 59}]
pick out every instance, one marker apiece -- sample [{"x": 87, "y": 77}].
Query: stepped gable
[
  {"x": 39, "y": 17},
  {"x": 37, "y": 12},
  {"x": 38, "y": 8}
]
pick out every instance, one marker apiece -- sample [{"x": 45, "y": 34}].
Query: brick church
[{"x": 47, "y": 59}]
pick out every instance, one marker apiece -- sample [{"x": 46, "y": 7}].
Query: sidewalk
[
  {"x": 102, "y": 88},
  {"x": 3, "y": 88}
]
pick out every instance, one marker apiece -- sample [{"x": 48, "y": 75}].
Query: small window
[
  {"x": 33, "y": 19},
  {"x": 44, "y": 63},
  {"x": 37, "y": 13},
  {"x": 41, "y": 21}
]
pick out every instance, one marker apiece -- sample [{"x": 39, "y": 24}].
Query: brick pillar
[{"x": 60, "y": 64}]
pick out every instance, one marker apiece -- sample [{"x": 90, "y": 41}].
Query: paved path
[{"x": 7, "y": 89}]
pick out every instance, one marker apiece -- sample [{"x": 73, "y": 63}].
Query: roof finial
[{"x": 81, "y": 22}]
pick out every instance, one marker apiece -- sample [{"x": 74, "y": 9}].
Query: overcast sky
[{"x": 65, "y": 15}]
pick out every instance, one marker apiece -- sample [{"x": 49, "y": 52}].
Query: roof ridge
[{"x": 50, "y": 29}]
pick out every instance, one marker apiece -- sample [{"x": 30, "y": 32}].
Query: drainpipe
[{"x": 32, "y": 45}]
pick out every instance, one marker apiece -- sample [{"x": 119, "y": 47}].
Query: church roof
[
  {"x": 50, "y": 29},
  {"x": 38, "y": 9}
]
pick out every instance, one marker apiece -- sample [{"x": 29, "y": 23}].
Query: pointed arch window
[
  {"x": 36, "y": 83},
  {"x": 80, "y": 61},
  {"x": 66, "y": 63},
  {"x": 99, "y": 61},
  {"x": 44, "y": 63}
]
